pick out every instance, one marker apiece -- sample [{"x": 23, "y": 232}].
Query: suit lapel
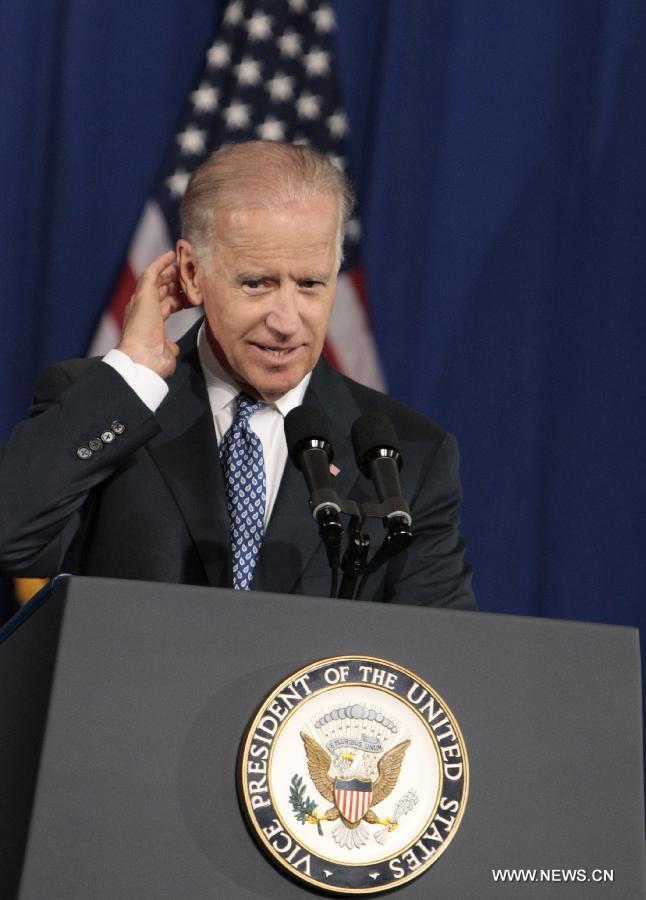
[
  {"x": 186, "y": 454},
  {"x": 292, "y": 537}
]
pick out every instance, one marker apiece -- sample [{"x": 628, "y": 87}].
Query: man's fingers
[
  {"x": 170, "y": 305},
  {"x": 173, "y": 288},
  {"x": 169, "y": 273},
  {"x": 157, "y": 282},
  {"x": 157, "y": 296},
  {"x": 159, "y": 272},
  {"x": 175, "y": 291},
  {"x": 158, "y": 266}
]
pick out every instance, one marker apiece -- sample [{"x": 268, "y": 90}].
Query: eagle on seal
[{"x": 350, "y": 832}]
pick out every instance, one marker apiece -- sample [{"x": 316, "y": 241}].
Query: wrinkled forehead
[
  {"x": 311, "y": 220},
  {"x": 238, "y": 203}
]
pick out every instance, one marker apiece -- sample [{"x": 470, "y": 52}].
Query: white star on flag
[
  {"x": 259, "y": 27},
  {"x": 271, "y": 130},
  {"x": 177, "y": 183},
  {"x": 338, "y": 124},
  {"x": 289, "y": 43},
  {"x": 324, "y": 19},
  {"x": 237, "y": 115},
  {"x": 353, "y": 230},
  {"x": 337, "y": 161},
  {"x": 248, "y": 70},
  {"x": 280, "y": 87},
  {"x": 205, "y": 98},
  {"x": 192, "y": 140},
  {"x": 218, "y": 55},
  {"x": 307, "y": 106},
  {"x": 317, "y": 62},
  {"x": 298, "y": 6},
  {"x": 233, "y": 13}
]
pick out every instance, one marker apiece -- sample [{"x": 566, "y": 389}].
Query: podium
[{"x": 124, "y": 705}]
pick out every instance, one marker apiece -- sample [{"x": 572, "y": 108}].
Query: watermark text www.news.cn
[{"x": 519, "y": 876}]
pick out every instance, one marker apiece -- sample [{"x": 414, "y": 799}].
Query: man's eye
[
  {"x": 309, "y": 283},
  {"x": 254, "y": 284}
]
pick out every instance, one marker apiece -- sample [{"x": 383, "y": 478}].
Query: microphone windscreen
[
  {"x": 372, "y": 431},
  {"x": 305, "y": 423}
]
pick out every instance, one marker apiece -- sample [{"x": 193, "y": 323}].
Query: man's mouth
[{"x": 275, "y": 352}]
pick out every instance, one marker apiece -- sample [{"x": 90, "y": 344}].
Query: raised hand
[{"x": 157, "y": 296}]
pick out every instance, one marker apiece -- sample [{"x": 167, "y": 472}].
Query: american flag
[{"x": 269, "y": 74}]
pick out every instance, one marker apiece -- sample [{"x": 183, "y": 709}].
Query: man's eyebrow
[
  {"x": 251, "y": 276},
  {"x": 316, "y": 276},
  {"x": 258, "y": 275}
]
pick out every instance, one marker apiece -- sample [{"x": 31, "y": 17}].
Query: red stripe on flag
[
  {"x": 330, "y": 355},
  {"x": 358, "y": 279},
  {"x": 123, "y": 291}
]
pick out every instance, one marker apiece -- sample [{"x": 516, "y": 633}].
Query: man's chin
[
  {"x": 269, "y": 393},
  {"x": 271, "y": 386}
]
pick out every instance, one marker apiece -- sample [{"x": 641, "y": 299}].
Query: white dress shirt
[{"x": 147, "y": 385}]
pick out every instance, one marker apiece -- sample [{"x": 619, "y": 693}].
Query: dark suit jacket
[{"x": 150, "y": 505}]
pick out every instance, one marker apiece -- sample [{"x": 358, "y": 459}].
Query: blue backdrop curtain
[{"x": 498, "y": 148}]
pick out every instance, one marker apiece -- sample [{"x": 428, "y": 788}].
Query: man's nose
[{"x": 284, "y": 317}]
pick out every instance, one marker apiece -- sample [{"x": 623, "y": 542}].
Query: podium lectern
[{"x": 124, "y": 704}]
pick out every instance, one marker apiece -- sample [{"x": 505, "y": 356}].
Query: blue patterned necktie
[{"x": 243, "y": 466}]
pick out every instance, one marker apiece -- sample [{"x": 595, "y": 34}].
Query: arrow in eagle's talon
[{"x": 390, "y": 823}]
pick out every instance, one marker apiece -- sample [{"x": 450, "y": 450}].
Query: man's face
[{"x": 268, "y": 291}]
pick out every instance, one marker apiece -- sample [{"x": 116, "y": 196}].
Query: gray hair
[{"x": 259, "y": 173}]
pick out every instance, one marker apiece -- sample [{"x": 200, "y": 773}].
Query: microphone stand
[
  {"x": 355, "y": 558},
  {"x": 331, "y": 532},
  {"x": 355, "y": 562},
  {"x": 326, "y": 506},
  {"x": 398, "y": 537}
]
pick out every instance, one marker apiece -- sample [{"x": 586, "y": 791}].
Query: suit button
[
  {"x": 84, "y": 453},
  {"x": 118, "y": 427},
  {"x": 107, "y": 437},
  {"x": 95, "y": 444}
]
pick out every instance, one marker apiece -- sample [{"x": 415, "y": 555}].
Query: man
[{"x": 168, "y": 461}]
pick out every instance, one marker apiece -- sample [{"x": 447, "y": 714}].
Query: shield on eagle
[{"x": 353, "y": 797}]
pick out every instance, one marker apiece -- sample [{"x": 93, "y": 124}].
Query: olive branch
[{"x": 303, "y": 806}]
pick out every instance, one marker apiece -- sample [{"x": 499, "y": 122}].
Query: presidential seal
[{"x": 353, "y": 775}]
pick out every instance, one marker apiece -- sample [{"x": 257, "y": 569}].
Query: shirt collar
[{"x": 223, "y": 390}]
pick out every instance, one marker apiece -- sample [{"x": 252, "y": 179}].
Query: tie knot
[{"x": 246, "y": 406}]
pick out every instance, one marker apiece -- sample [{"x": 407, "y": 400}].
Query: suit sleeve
[
  {"x": 80, "y": 430},
  {"x": 433, "y": 570}
]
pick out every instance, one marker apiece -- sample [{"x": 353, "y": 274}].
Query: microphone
[
  {"x": 310, "y": 449},
  {"x": 377, "y": 453}
]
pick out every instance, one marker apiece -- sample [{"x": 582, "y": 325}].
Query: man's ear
[{"x": 189, "y": 273}]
